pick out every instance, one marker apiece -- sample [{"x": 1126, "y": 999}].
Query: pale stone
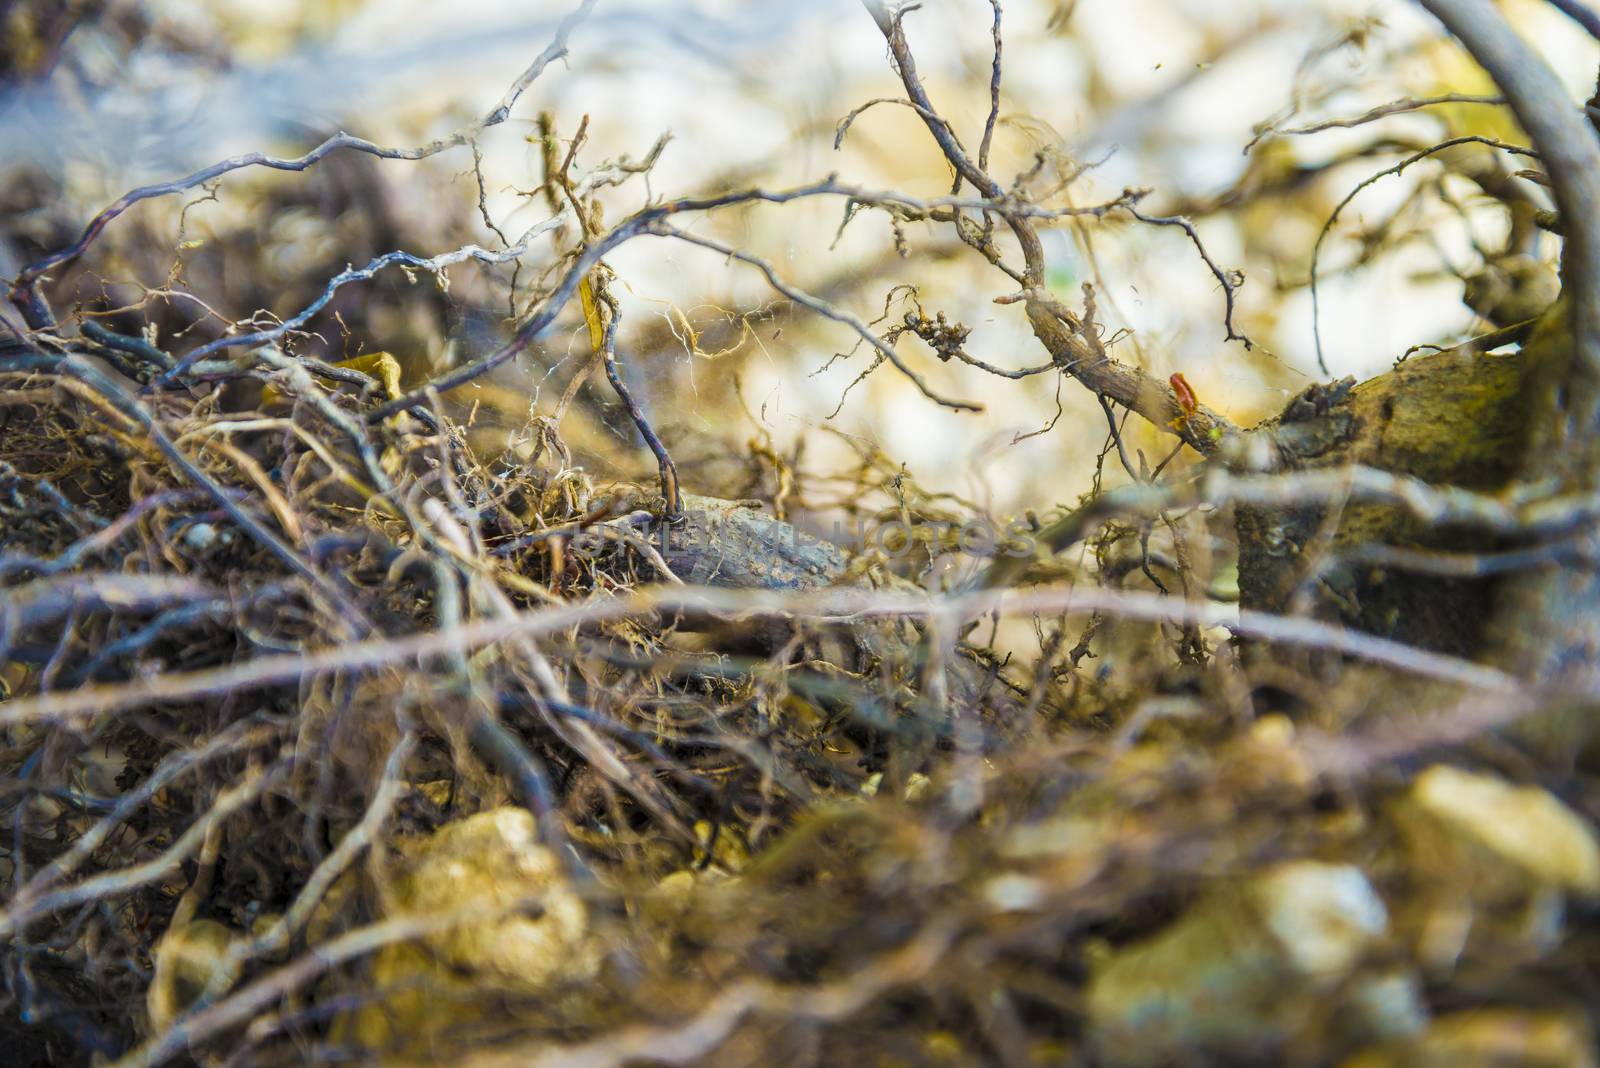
[
  {"x": 522, "y": 929},
  {"x": 1241, "y": 970},
  {"x": 1525, "y": 827},
  {"x": 187, "y": 960}
]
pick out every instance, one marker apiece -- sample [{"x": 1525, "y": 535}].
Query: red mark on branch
[{"x": 1187, "y": 403}]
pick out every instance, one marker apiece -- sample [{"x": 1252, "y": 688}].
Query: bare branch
[
  {"x": 669, "y": 470},
  {"x": 1382, "y": 111},
  {"x": 1327, "y": 227},
  {"x": 827, "y": 311},
  {"x": 648, "y": 221},
  {"x": 994, "y": 92},
  {"x": 841, "y": 603},
  {"x": 1566, "y": 145},
  {"x": 23, "y": 289},
  {"x": 1580, "y": 13},
  {"x": 1230, "y": 281}
]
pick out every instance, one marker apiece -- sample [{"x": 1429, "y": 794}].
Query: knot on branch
[{"x": 942, "y": 335}]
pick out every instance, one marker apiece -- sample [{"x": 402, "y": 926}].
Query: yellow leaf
[
  {"x": 591, "y": 315},
  {"x": 380, "y": 365}
]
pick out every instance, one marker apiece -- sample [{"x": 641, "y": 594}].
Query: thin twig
[
  {"x": 994, "y": 93},
  {"x": 648, "y": 220},
  {"x": 1316, "y": 248},
  {"x": 842, "y": 604},
  {"x": 1229, "y": 280},
  {"x": 120, "y": 881},
  {"x": 24, "y": 286},
  {"x": 827, "y": 311},
  {"x": 668, "y": 470},
  {"x": 1382, "y": 111}
]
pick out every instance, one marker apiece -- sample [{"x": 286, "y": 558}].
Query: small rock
[
  {"x": 1483, "y": 830},
  {"x": 523, "y": 930},
  {"x": 1240, "y": 971},
  {"x": 1014, "y": 893},
  {"x": 1489, "y": 1038},
  {"x": 186, "y": 961},
  {"x": 200, "y": 537}
]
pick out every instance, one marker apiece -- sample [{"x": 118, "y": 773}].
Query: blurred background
[{"x": 99, "y": 97}]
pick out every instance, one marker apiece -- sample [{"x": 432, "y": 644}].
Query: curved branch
[
  {"x": 1547, "y": 624},
  {"x": 1333, "y": 217},
  {"x": 839, "y": 603},
  {"x": 1564, "y": 141},
  {"x": 827, "y": 311},
  {"x": 1579, "y": 13}
]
